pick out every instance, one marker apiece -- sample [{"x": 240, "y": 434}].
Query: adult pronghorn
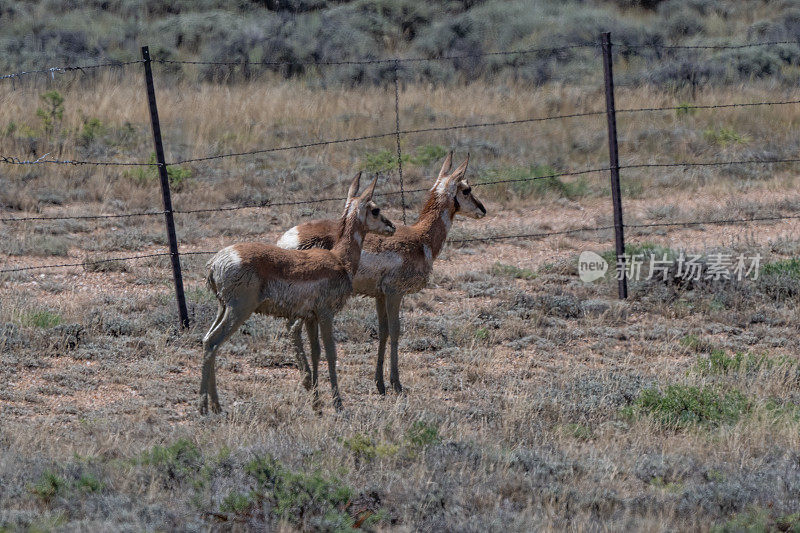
[
  {"x": 394, "y": 266},
  {"x": 312, "y": 285}
]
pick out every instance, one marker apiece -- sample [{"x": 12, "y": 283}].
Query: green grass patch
[
  {"x": 48, "y": 486},
  {"x": 681, "y": 406},
  {"x": 532, "y": 182},
  {"x": 422, "y": 434},
  {"x": 685, "y": 109},
  {"x": 719, "y": 362},
  {"x": 180, "y": 459},
  {"x": 364, "y": 447},
  {"x": 757, "y": 520},
  {"x": 511, "y": 271},
  {"x": 724, "y": 136},
  {"x": 386, "y": 160},
  {"x": 296, "y": 496},
  {"x": 40, "y": 318},
  {"x": 145, "y": 176},
  {"x": 786, "y": 267},
  {"x": 671, "y": 486}
]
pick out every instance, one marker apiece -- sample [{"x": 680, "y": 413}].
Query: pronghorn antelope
[
  {"x": 394, "y": 266},
  {"x": 312, "y": 285}
]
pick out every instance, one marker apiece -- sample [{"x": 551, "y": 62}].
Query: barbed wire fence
[{"x": 604, "y": 46}]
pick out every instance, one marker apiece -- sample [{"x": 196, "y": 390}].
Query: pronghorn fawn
[
  {"x": 312, "y": 285},
  {"x": 393, "y": 266}
]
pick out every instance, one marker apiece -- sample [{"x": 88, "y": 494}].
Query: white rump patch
[
  {"x": 290, "y": 240},
  {"x": 231, "y": 256}
]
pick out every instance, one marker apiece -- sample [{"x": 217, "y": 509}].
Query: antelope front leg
[
  {"x": 383, "y": 333},
  {"x": 393, "y": 311},
  {"x": 296, "y": 332},
  {"x": 326, "y": 330},
  {"x": 313, "y": 339}
]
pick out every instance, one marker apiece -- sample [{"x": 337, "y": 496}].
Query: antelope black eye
[
  {"x": 376, "y": 212},
  {"x": 467, "y": 191}
]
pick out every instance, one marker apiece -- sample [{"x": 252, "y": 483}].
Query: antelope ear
[
  {"x": 366, "y": 196},
  {"x": 351, "y": 192},
  {"x": 460, "y": 171},
  {"x": 448, "y": 162}
]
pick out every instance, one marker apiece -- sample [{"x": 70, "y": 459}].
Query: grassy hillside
[{"x": 38, "y": 34}]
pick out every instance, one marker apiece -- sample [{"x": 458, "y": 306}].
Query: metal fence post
[
  {"x": 165, "y": 193},
  {"x": 613, "y": 159}
]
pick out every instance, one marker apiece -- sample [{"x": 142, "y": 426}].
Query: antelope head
[
  {"x": 363, "y": 210},
  {"x": 453, "y": 187}
]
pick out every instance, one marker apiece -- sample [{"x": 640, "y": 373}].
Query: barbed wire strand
[
  {"x": 53, "y": 70},
  {"x": 410, "y": 191},
  {"x": 17, "y": 161},
  {"x": 453, "y": 241},
  {"x": 703, "y": 46}
]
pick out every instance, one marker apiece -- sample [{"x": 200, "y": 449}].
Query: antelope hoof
[
  {"x": 203, "y": 405},
  {"x": 381, "y": 387},
  {"x": 215, "y": 408},
  {"x": 337, "y": 404},
  {"x": 307, "y": 382},
  {"x": 397, "y": 387}
]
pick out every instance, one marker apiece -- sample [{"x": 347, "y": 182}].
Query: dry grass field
[{"x": 534, "y": 401}]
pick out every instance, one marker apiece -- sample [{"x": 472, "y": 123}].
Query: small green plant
[
  {"x": 236, "y": 503},
  {"x": 724, "y": 136},
  {"x": 382, "y": 161},
  {"x": 422, "y": 434},
  {"x": 48, "y": 486},
  {"x": 511, "y": 271},
  {"x": 91, "y": 131},
  {"x": 685, "y": 109},
  {"x": 386, "y": 160},
  {"x": 785, "y": 267},
  {"x": 681, "y": 406},
  {"x": 482, "y": 334},
  {"x": 671, "y": 486},
  {"x": 364, "y": 447},
  {"x": 40, "y": 318},
  {"x": 180, "y": 459},
  {"x": 427, "y": 153},
  {"x": 758, "y": 519},
  {"x": 534, "y": 181},
  {"x": 145, "y": 175},
  {"x": 296, "y": 495},
  {"x": 577, "y": 431},
  {"x": 52, "y": 113},
  {"x": 88, "y": 483}
]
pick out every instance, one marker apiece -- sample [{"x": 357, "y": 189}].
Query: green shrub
[
  {"x": 724, "y": 136},
  {"x": 681, "y": 406},
  {"x": 91, "y": 131},
  {"x": 146, "y": 175},
  {"x": 296, "y": 496},
  {"x": 41, "y": 318},
  {"x": 422, "y": 434},
  {"x": 236, "y": 503},
  {"x": 511, "y": 271},
  {"x": 53, "y": 112},
  {"x": 178, "y": 460},
  {"x": 534, "y": 181},
  {"x": 786, "y": 267},
  {"x": 48, "y": 486}
]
